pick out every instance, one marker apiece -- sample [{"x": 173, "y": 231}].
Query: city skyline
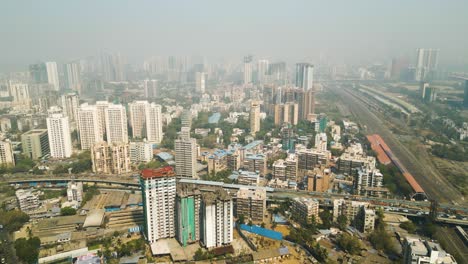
[{"x": 341, "y": 32}]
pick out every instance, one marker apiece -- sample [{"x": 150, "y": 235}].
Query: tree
[
  {"x": 349, "y": 243},
  {"x": 27, "y": 250},
  {"x": 68, "y": 211},
  {"x": 13, "y": 220},
  {"x": 326, "y": 218},
  {"x": 408, "y": 226},
  {"x": 342, "y": 222},
  {"x": 241, "y": 219}
]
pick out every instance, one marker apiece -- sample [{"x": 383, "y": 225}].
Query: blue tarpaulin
[{"x": 262, "y": 231}]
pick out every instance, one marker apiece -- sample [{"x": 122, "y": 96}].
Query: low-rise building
[
  {"x": 318, "y": 180},
  {"x": 256, "y": 163},
  {"x": 217, "y": 161},
  {"x": 417, "y": 251},
  {"x": 351, "y": 209},
  {"x": 247, "y": 177},
  {"x": 75, "y": 191},
  {"x": 35, "y": 143},
  {"x": 28, "y": 200},
  {"x": 111, "y": 158},
  {"x": 141, "y": 152}
]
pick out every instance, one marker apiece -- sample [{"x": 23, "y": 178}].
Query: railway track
[{"x": 436, "y": 186}]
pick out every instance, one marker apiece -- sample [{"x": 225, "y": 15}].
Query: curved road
[{"x": 435, "y": 186}]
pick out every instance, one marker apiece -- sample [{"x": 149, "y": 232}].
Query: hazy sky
[{"x": 295, "y": 30}]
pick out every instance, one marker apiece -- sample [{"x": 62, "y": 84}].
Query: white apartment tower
[
  {"x": 154, "y": 123},
  {"x": 248, "y": 69},
  {"x": 138, "y": 111},
  {"x": 116, "y": 123},
  {"x": 304, "y": 76},
  {"x": 20, "y": 94},
  {"x": 6, "y": 154},
  {"x": 254, "y": 117},
  {"x": 52, "y": 74},
  {"x": 216, "y": 229},
  {"x": 426, "y": 62},
  {"x": 70, "y": 103},
  {"x": 59, "y": 134},
  {"x": 72, "y": 76},
  {"x": 159, "y": 193},
  {"x": 200, "y": 78},
  {"x": 262, "y": 71},
  {"x": 101, "y": 107},
  {"x": 186, "y": 155},
  {"x": 321, "y": 141},
  {"x": 151, "y": 88},
  {"x": 88, "y": 126}
]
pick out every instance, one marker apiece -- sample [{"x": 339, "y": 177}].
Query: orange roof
[
  {"x": 166, "y": 171},
  {"x": 413, "y": 183},
  {"x": 377, "y": 144}
]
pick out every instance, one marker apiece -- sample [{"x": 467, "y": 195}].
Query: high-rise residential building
[
  {"x": 285, "y": 170},
  {"x": 186, "y": 118},
  {"x": 255, "y": 163},
  {"x": 112, "y": 67},
  {"x": 151, "y": 88},
  {"x": 308, "y": 159},
  {"x": 70, "y": 103},
  {"x": 308, "y": 106},
  {"x": 59, "y": 134},
  {"x": 141, "y": 152},
  {"x": 101, "y": 107},
  {"x": 318, "y": 180},
  {"x": 187, "y": 220},
  {"x": 19, "y": 92},
  {"x": 154, "y": 123},
  {"x": 304, "y": 76},
  {"x": 369, "y": 182},
  {"x": 399, "y": 65},
  {"x": 277, "y": 72},
  {"x": 116, "y": 123},
  {"x": 200, "y": 80},
  {"x": 426, "y": 63},
  {"x": 286, "y": 113},
  {"x": 216, "y": 227},
  {"x": 137, "y": 110},
  {"x": 465, "y": 95},
  {"x": 254, "y": 117},
  {"x": 110, "y": 158},
  {"x": 6, "y": 154},
  {"x": 158, "y": 188},
  {"x": 35, "y": 143},
  {"x": 251, "y": 204},
  {"x": 52, "y": 74},
  {"x": 38, "y": 73},
  {"x": 262, "y": 71},
  {"x": 88, "y": 126},
  {"x": 72, "y": 77},
  {"x": 248, "y": 69},
  {"x": 186, "y": 155},
  {"x": 305, "y": 210}
]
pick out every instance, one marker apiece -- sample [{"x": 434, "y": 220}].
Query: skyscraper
[
  {"x": 59, "y": 134},
  {"x": 254, "y": 117},
  {"x": 112, "y": 67},
  {"x": 186, "y": 154},
  {"x": 70, "y": 103},
  {"x": 88, "y": 126},
  {"x": 72, "y": 77},
  {"x": 304, "y": 76},
  {"x": 262, "y": 71},
  {"x": 200, "y": 78},
  {"x": 158, "y": 188},
  {"x": 52, "y": 74},
  {"x": 216, "y": 229},
  {"x": 138, "y": 111},
  {"x": 426, "y": 63},
  {"x": 187, "y": 214},
  {"x": 101, "y": 107},
  {"x": 151, "y": 88},
  {"x": 20, "y": 95},
  {"x": 465, "y": 95},
  {"x": 154, "y": 123},
  {"x": 248, "y": 69},
  {"x": 45, "y": 73},
  {"x": 6, "y": 154},
  {"x": 116, "y": 123}
]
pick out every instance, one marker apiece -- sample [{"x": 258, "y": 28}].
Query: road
[{"x": 435, "y": 186}]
